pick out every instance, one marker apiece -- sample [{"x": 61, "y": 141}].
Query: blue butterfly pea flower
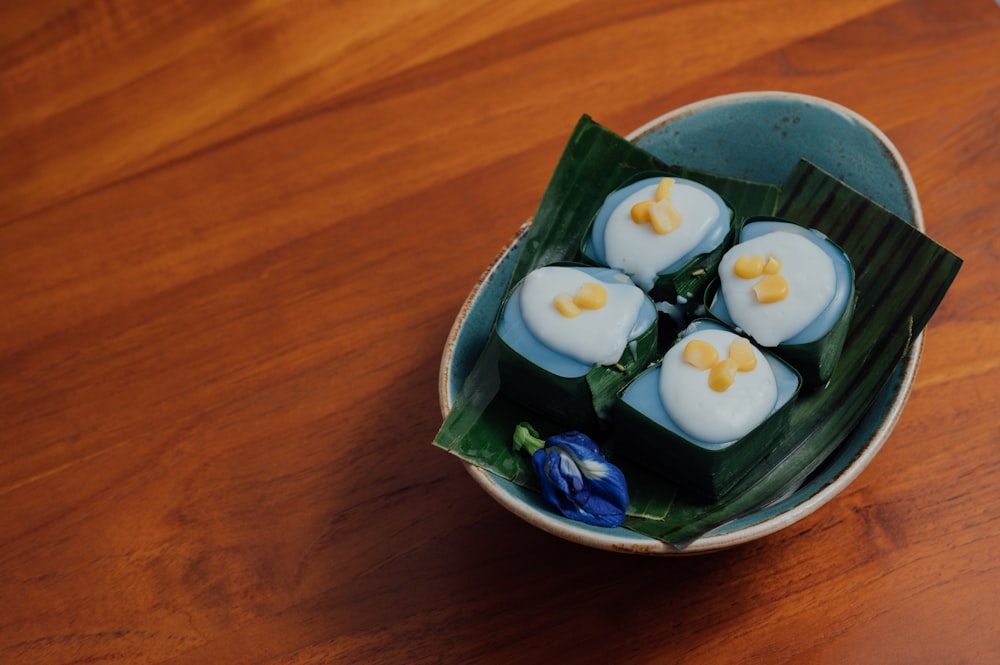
[{"x": 575, "y": 477}]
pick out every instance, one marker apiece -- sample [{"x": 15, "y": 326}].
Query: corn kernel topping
[
  {"x": 660, "y": 213},
  {"x": 700, "y": 354},
  {"x": 772, "y": 288},
  {"x": 663, "y": 189},
  {"x": 564, "y": 303},
  {"x": 640, "y": 212},
  {"x": 722, "y": 375},
  {"x": 591, "y": 295},
  {"x": 664, "y": 217},
  {"x": 748, "y": 267},
  {"x": 742, "y": 352}
]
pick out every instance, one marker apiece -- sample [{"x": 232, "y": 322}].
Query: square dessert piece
[
  {"x": 707, "y": 413},
  {"x": 570, "y": 338},
  {"x": 666, "y": 233},
  {"x": 791, "y": 290}
]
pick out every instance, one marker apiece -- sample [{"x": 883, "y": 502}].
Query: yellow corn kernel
[
  {"x": 722, "y": 375},
  {"x": 591, "y": 295},
  {"x": 742, "y": 352},
  {"x": 772, "y": 288},
  {"x": 664, "y": 216},
  {"x": 564, "y": 303},
  {"x": 640, "y": 212},
  {"x": 663, "y": 189},
  {"x": 700, "y": 354},
  {"x": 749, "y": 267},
  {"x": 772, "y": 266}
]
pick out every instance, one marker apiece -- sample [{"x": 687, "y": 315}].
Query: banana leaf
[{"x": 891, "y": 312}]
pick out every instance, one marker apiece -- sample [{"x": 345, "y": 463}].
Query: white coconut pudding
[
  {"x": 716, "y": 386},
  {"x": 574, "y": 314},
  {"x": 783, "y": 284},
  {"x": 656, "y": 225},
  {"x": 708, "y": 412},
  {"x": 570, "y": 338}
]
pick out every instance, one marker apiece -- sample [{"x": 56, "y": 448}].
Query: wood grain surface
[{"x": 233, "y": 238}]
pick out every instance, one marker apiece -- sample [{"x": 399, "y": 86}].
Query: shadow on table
[{"x": 425, "y": 566}]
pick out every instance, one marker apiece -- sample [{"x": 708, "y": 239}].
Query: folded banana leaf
[{"x": 892, "y": 309}]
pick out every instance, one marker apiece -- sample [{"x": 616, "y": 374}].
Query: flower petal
[{"x": 575, "y": 478}]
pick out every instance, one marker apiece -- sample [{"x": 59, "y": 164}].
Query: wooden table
[{"x": 233, "y": 238}]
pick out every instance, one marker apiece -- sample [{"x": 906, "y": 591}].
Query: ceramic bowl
[{"x": 759, "y": 136}]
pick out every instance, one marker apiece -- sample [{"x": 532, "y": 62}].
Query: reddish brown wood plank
[{"x": 233, "y": 237}]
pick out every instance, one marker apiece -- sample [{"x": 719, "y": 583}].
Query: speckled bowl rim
[{"x": 720, "y": 538}]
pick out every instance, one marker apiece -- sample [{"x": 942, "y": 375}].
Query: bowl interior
[
  {"x": 762, "y": 135},
  {"x": 759, "y": 136}
]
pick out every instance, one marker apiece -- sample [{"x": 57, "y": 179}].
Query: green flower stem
[{"x": 526, "y": 437}]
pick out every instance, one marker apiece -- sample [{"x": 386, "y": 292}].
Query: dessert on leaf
[
  {"x": 570, "y": 338},
  {"x": 708, "y": 411},
  {"x": 791, "y": 290},
  {"x": 666, "y": 233}
]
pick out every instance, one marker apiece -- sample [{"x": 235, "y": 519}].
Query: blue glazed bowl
[{"x": 754, "y": 135}]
